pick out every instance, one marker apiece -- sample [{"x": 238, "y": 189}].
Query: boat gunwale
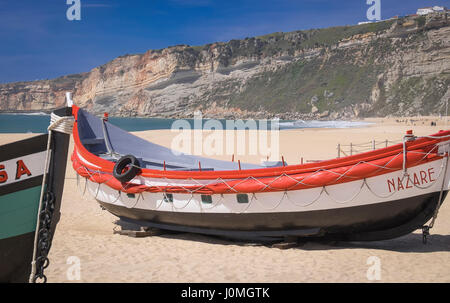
[{"x": 419, "y": 144}]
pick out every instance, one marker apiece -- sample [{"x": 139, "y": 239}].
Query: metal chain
[
  {"x": 43, "y": 233},
  {"x": 44, "y": 237}
]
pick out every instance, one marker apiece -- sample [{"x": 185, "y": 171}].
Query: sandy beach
[{"x": 86, "y": 232}]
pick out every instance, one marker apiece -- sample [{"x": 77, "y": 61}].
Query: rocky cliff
[{"x": 395, "y": 67}]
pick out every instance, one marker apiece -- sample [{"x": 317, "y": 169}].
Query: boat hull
[
  {"x": 376, "y": 208},
  {"x": 16, "y": 253},
  {"x": 375, "y": 195},
  {"x": 21, "y": 169},
  {"x": 365, "y": 222}
]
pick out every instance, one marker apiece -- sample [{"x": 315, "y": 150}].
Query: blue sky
[{"x": 38, "y": 42}]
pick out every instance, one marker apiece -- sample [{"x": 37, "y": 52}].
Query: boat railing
[{"x": 356, "y": 148}]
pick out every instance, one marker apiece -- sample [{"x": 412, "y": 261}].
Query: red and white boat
[{"x": 375, "y": 195}]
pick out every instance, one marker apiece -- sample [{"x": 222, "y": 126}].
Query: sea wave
[
  {"x": 28, "y": 114},
  {"x": 321, "y": 124}
]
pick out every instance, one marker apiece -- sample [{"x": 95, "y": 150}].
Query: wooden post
[
  {"x": 288, "y": 242},
  {"x": 339, "y": 150},
  {"x": 144, "y": 232},
  {"x": 351, "y": 149},
  {"x": 373, "y": 144},
  {"x": 239, "y": 163},
  {"x": 386, "y": 142}
]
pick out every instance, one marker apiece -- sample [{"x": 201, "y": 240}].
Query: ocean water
[{"x": 38, "y": 123}]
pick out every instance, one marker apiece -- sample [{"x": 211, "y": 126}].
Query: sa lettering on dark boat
[{"x": 21, "y": 169}]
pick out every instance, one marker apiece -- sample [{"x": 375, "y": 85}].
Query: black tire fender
[{"x": 133, "y": 170}]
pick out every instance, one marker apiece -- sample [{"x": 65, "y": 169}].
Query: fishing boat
[
  {"x": 31, "y": 184},
  {"x": 376, "y": 195}
]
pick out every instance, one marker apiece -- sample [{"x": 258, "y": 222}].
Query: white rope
[
  {"x": 135, "y": 203},
  {"x": 324, "y": 189},
  {"x": 264, "y": 185},
  {"x": 378, "y": 195},
  {"x": 247, "y": 205},
  {"x": 348, "y": 200},
  {"x": 269, "y": 208},
  {"x": 184, "y": 206},
  {"x": 440, "y": 194},
  {"x": 213, "y": 204},
  {"x": 308, "y": 203},
  {"x": 304, "y": 178},
  {"x": 160, "y": 204},
  {"x": 61, "y": 124}
]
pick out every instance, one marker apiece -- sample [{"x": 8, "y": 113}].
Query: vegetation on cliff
[{"x": 399, "y": 66}]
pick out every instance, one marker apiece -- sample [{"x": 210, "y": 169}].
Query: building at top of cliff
[{"x": 429, "y": 10}]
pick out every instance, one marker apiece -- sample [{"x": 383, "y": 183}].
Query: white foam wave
[
  {"x": 27, "y": 114},
  {"x": 322, "y": 124}
]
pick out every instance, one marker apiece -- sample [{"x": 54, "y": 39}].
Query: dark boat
[
  {"x": 377, "y": 195},
  {"x": 25, "y": 190}
]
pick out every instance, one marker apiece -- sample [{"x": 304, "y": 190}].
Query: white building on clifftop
[{"x": 429, "y": 10}]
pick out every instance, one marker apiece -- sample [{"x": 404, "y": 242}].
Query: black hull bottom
[
  {"x": 16, "y": 254},
  {"x": 360, "y": 223}
]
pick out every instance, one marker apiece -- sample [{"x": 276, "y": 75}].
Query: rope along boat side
[{"x": 382, "y": 194}]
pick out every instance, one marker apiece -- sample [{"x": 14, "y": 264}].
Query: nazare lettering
[{"x": 420, "y": 178}]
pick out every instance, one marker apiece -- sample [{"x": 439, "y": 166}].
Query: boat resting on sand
[
  {"x": 382, "y": 194},
  {"x": 26, "y": 193}
]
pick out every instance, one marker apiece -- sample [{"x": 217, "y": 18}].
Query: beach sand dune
[{"x": 85, "y": 233}]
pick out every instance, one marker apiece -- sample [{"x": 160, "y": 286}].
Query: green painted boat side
[
  {"x": 19, "y": 201},
  {"x": 18, "y": 212}
]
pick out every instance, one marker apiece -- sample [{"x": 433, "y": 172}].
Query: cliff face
[{"x": 399, "y": 67}]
